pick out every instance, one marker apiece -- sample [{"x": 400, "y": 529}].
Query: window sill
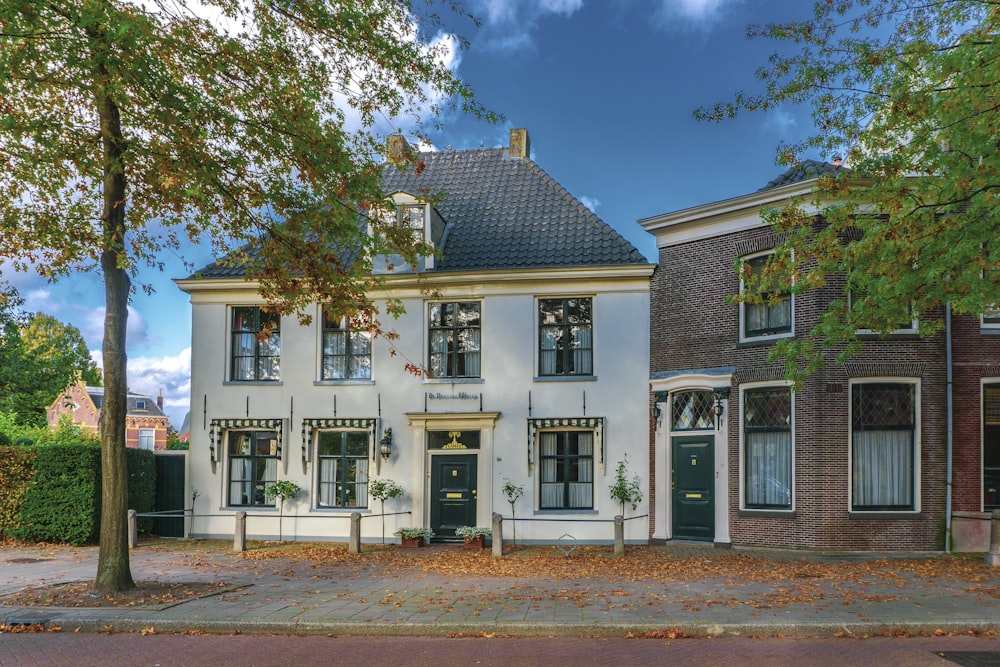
[
  {"x": 762, "y": 340},
  {"x": 901, "y": 334},
  {"x": 248, "y": 508},
  {"x": 888, "y": 515},
  {"x": 341, "y": 511},
  {"x": 565, "y": 378},
  {"x": 341, "y": 383},
  {"x": 989, "y": 329},
  {"x": 454, "y": 381},
  {"x": 541, "y": 512},
  {"x": 768, "y": 514},
  {"x": 252, "y": 383}
]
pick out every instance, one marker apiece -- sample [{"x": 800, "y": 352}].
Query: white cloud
[
  {"x": 508, "y": 25},
  {"x": 691, "y": 11},
  {"x": 170, "y": 375},
  {"x": 91, "y": 325},
  {"x": 590, "y": 203},
  {"x": 780, "y": 122}
]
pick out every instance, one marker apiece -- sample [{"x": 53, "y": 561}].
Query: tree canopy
[
  {"x": 39, "y": 357},
  {"x": 907, "y": 92},
  {"x": 127, "y": 127}
]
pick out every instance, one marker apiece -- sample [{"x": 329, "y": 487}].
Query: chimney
[
  {"x": 159, "y": 401},
  {"x": 396, "y": 148},
  {"x": 520, "y": 145}
]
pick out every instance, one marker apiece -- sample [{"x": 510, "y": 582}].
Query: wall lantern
[
  {"x": 385, "y": 444},
  {"x": 719, "y": 395}
]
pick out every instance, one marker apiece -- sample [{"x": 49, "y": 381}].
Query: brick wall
[{"x": 692, "y": 327}]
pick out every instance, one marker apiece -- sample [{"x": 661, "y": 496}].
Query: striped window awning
[
  {"x": 310, "y": 425},
  {"x": 553, "y": 423},
  {"x": 217, "y": 426}
]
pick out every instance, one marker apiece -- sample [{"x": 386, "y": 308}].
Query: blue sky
[{"x": 606, "y": 89}]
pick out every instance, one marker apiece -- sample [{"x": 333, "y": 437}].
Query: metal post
[
  {"x": 354, "y": 541},
  {"x": 497, "y": 535},
  {"x": 619, "y": 536},
  {"x": 993, "y": 555},
  {"x": 240, "y": 534},
  {"x": 133, "y": 529}
]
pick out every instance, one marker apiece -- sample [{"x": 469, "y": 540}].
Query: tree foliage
[
  {"x": 127, "y": 127},
  {"x": 908, "y": 92},
  {"x": 39, "y": 357}
]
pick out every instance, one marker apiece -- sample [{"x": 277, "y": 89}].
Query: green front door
[
  {"x": 693, "y": 482},
  {"x": 453, "y": 492}
]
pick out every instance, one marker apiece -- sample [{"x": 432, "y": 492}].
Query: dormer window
[{"x": 140, "y": 405}]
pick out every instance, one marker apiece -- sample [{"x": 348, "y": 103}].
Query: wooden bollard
[
  {"x": 619, "y": 536},
  {"x": 240, "y": 534},
  {"x": 133, "y": 529},
  {"x": 354, "y": 541},
  {"x": 497, "y": 529}
]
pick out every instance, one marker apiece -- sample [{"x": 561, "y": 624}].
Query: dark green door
[
  {"x": 453, "y": 493},
  {"x": 693, "y": 483},
  {"x": 169, "y": 494}
]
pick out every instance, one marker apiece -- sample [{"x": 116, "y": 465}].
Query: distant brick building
[
  {"x": 145, "y": 422},
  {"x": 855, "y": 459}
]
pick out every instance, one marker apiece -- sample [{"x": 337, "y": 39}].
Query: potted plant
[
  {"x": 381, "y": 490},
  {"x": 413, "y": 537},
  {"x": 281, "y": 490},
  {"x": 474, "y": 537}
]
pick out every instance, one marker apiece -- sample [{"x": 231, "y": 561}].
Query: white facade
[{"x": 510, "y": 407}]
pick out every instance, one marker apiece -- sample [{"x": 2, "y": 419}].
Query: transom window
[
  {"x": 343, "y": 468},
  {"x": 692, "y": 411},
  {"x": 347, "y": 352},
  {"x": 565, "y": 337},
  {"x": 256, "y": 345},
  {"x": 883, "y": 445},
  {"x": 253, "y": 466},
  {"x": 767, "y": 448},
  {"x": 767, "y": 318},
  {"x": 991, "y": 447},
  {"x": 454, "y": 336},
  {"x": 567, "y": 469}
]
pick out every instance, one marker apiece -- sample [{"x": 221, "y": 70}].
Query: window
[
  {"x": 343, "y": 468},
  {"x": 454, "y": 339},
  {"x": 253, "y": 465},
  {"x": 147, "y": 439},
  {"x": 567, "y": 469},
  {"x": 256, "y": 345},
  {"x": 565, "y": 337},
  {"x": 883, "y": 446},
  {"x": 991, "y": 447},
  {"x": 347, "y": 352},
  {"x": 767, "y": 448},
  {"x": 692, "y": 411},
  {"x": 766, "y": 318},
  {"x": 140, "y": 405},
  {"x": 991, "y": 316},
  {"x": 855, "y": 298}
]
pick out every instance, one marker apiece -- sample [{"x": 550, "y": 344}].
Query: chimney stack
[
  {"x": 159, "y": 401},
  {"x": 396, "y": 148},
  {"x": 520, "y": 145}
]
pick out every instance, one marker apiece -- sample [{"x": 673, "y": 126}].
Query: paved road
[{"x": 134, "y": 649}]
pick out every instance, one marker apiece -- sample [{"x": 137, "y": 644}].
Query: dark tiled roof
[
  {"x": 501, "y": 213},
  {"x": 804, "y": 171},
  {"x": 507, "y": 213},
  {"x": 150, "y": 408}
]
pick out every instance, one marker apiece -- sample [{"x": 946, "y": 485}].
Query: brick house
[
  {"x": 858, "y": 457},
  {"x": 535, "y": 337},
  {"x": 145, "y": 422}
]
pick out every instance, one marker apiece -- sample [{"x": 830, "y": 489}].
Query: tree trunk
[{"x": 113, "y": 572}]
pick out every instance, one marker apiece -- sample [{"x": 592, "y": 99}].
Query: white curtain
[
  {"x": 439, "y": 353},
  {"x": 883, "y": 469},
  {"x": 548, "y": 354},
  {"x": 579, "y": 483},
  {"x": 361, "y": 483},
  {"x": 240, "y": 481},
  {"x": 270, "y": 475},
  {"x": 328, "y": 481},
  {"x": 471, "y": 340},
  {"x": 582, "y": 348},
  {"x": 769, "y": 468}
]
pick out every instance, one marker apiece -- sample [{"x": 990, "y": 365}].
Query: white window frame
[
  {"x": 743, "y": 337},
  {"x": 427, "y": 344},
  {"x": 917, "y": 442},
  {"x": 227, "y": 458},
  {"x": 748, "y": 386},
  {"x": 316, "y": 477},
  {"x": 538, "y": 338},
  {"x": 345, "y": 326},
  {"x": 595, "y": 443},
  {"x": 912, "y": 329},
  {"x": 150, "y": 436},
  {"x": 230, "y": 351}
]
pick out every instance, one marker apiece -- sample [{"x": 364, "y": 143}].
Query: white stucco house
[{"x": 537, "y": 345}]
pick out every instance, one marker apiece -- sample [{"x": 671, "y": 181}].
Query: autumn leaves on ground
[{"x": 793, "y": 576}]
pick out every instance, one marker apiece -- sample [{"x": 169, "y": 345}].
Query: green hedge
[
  {"x": 16, "y": 470},
  {"x": 63, "y": 503}
]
